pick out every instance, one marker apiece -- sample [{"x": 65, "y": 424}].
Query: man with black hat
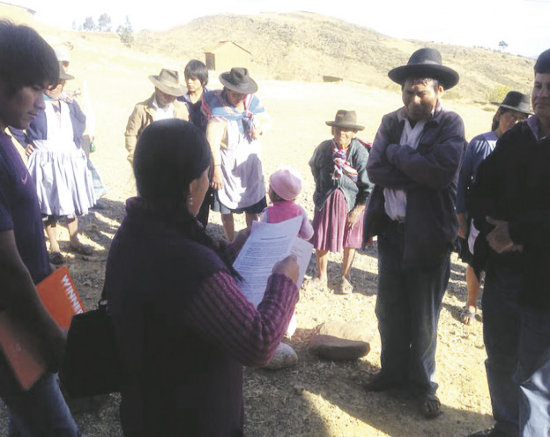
[
  {"x": 510, "y": 203},
  {"x": 161, "y": 105},
  {"x": 414, "y": 165}
]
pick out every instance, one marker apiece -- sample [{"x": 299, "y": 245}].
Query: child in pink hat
[{"x": 284, "y": 186}]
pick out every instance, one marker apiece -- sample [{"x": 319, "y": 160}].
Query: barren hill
[{"x": 306, "y": 46}]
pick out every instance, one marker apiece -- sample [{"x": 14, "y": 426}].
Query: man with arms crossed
[
  {"x": 28, "y": 66},
  {"x": 414, "y": 165}
]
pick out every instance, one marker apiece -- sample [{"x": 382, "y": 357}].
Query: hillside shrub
[{"x": 497, "y": 93}]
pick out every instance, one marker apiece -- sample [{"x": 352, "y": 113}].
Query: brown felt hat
[
  {"x": 345, "y": 120},
  {"x": 168, "y": 81}
]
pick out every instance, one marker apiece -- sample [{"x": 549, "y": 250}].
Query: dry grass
[{"x": 316, "y": 398}]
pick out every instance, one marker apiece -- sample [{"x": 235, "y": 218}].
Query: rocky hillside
[
  {"x": 301, "y": 46},
  {"x": 306, "y": 46}
]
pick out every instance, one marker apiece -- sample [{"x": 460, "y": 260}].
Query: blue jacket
[
  {"x": 428, "y": 174},
  {"x": 479, "y": 148},
  {"x": 38, "y": 129}
]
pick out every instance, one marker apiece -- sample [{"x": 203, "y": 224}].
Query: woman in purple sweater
[{"x": 184, "y": 327}]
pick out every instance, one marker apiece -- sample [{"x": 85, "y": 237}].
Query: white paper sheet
[{"x": 267, "y": 244}]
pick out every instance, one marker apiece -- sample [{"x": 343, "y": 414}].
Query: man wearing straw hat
[
  {"x": 414, "y": 165},
  {"x": 161, "y": 105}
]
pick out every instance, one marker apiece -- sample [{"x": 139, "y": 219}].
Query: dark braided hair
[{"x": 169, "y": 155}]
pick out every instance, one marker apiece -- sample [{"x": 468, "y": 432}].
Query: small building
[{"x": 225, "y": 55}]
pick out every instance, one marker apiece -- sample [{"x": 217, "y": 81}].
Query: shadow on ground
[{"x": 295, "y": 402}]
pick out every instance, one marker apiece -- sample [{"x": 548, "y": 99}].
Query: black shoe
[
  {"x": 381, "y": 382},
  {"x": 56, "y": 258},
  {"x": 489, "y": 432}
]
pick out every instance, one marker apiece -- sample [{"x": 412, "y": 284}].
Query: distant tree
[
  {"x": 89, "y": 24},
  {"x": 126, "y": 32},
  {"x": 502, "y": 45},
  {"x": 104, "y": 23}
]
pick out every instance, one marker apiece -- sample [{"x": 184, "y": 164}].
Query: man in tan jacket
[{"x": 161, "y": 105}]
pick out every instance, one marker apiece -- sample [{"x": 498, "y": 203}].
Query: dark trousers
[
  {"x": 533, "y": 374},
  {"x": 408, "y": 307},
  {"x": 501, "y": 330},
  {"x": 517, "y": 341}
]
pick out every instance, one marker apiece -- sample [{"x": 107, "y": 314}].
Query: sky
[{"x": 523, "y": 24}]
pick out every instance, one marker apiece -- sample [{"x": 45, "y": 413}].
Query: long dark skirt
[{"x": 329, "y": 224}]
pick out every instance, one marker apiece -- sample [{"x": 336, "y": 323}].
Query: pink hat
[{"x": 286, "y": 183}]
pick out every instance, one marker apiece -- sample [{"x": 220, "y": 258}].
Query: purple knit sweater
[{"x": 185, "y": 329}]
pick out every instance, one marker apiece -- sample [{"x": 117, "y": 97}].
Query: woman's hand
[
  {"x": 288, "y": 267},
  {"x": 217, "y": 178},
  {"x": 240, "y": 239},
  {"x": 28, "y": 150},
  {"x": 353, "y": 215}
]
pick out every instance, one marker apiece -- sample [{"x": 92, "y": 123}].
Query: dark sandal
[
  {"x": 56, "y": 258},
  {"x": 81, "y": 249},
  {"x": 430, "y": 406}
]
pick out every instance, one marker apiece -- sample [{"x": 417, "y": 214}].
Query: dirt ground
[{"x": 314, "y": 398}]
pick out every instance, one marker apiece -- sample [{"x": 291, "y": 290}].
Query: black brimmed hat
[
  {"x": 425, "y": 63},
  {"x": 516, "y": 101},
  {"x": 345, "y": 120},
  {"x": 239, "y": 81}
]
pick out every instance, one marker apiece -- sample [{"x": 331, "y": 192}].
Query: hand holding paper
[
  {"x": 267, "y": 244},
  {"x": 288, "y": 267}
]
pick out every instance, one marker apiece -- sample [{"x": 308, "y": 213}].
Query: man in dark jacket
[
  {"x": 510, "y": 203},
  {"x": 28, "y": 67},
  {"x": 414, "y": 165}
]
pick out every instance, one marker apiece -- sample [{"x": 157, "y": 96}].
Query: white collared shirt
[
  {"x": 396, "y": 200},
  {"x": 162, "y": 113}
]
